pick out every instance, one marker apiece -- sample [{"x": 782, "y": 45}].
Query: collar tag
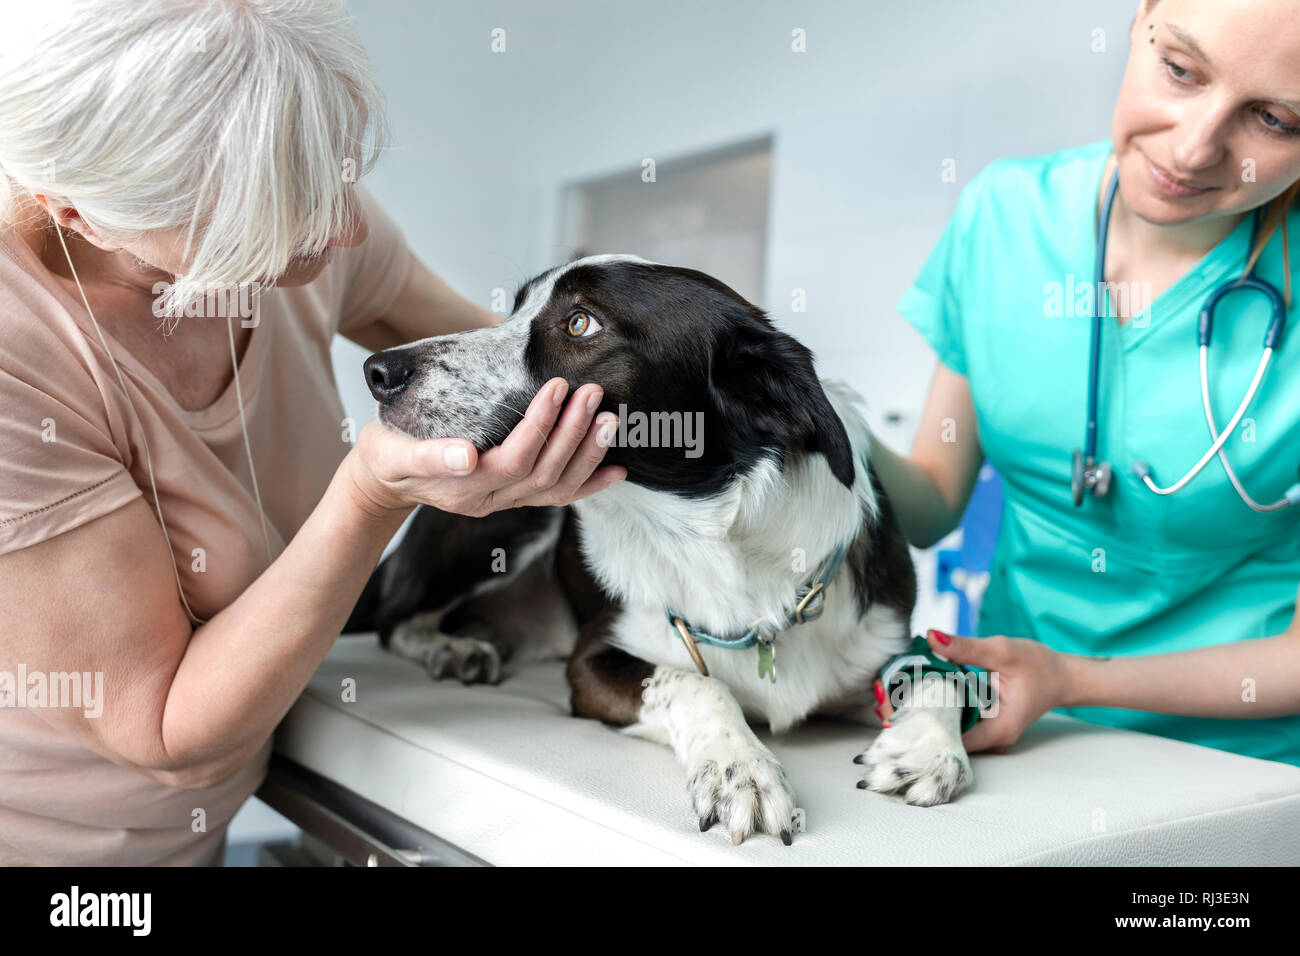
[{"x": 767, "y": 660}]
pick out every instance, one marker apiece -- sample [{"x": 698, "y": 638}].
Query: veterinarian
[
  {"x": 1172, "y": 614},
  {"x": 187, "y": 541}
]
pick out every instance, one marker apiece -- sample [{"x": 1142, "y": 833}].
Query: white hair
[{"x": 241, "y": 124}]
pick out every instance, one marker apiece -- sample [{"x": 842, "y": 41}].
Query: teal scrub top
[{"x": 1005, "y": 300}]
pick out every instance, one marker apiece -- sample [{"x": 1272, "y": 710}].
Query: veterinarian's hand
[
  {"x": 1028, "y": 677},
  {"x": 548, "y": 459}
]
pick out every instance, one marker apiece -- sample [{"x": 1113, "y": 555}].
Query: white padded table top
[{"x": 506, "y": 774}]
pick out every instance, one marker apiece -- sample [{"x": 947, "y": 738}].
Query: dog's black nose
[{"x": 388, "y": 372}]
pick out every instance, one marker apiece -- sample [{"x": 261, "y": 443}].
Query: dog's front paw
[
  {"x": 471, "y": 660},
  {"x": 918, "y": 758},
  {"x": 745, "y": 790}
]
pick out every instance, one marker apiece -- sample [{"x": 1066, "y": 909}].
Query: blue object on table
[{"x": 969, "y": 564}]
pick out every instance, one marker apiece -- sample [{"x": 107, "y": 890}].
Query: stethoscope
[{"x": 1088, "y": 474}]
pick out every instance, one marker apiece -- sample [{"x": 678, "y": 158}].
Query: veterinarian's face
[
  {"x": 1207, "y": 122},
  {"x": 663, "y": 343}
]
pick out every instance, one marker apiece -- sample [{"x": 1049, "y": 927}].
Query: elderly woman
[{"x": 188, "y": 537}]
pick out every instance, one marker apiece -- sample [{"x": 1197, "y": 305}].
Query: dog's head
[{"x": 704, "y": 386}]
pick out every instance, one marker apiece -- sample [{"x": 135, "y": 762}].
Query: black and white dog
[{"x": 726, "y": 535}]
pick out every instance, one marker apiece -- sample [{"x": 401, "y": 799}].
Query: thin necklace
[{"x": 148, "y": 457}]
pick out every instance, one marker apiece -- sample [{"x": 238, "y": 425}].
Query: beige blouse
[{"x": 61, "y": 803}]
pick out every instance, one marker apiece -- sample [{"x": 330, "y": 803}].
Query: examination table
[{"x": 417, "y": 772}]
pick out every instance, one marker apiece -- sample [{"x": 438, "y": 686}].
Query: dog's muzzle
[{"x": 471, "y": 385}]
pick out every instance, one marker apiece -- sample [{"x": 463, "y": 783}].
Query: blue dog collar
[{"x": 809, "y": 605}]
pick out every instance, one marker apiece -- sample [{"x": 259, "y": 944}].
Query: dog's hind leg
[
  {"x": 472, "y": 654},
  {"x": 461, "y": 595}
]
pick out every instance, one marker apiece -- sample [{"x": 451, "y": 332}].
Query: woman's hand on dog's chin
[{"x": 390, "y": 472}]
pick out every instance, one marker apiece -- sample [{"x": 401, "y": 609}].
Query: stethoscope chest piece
[{"x": 1088, "y": 475}]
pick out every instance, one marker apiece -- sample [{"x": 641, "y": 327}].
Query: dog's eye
[{"x": 582, "y": 325}]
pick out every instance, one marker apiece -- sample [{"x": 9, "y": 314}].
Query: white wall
[{"x": 861, "y": 123}]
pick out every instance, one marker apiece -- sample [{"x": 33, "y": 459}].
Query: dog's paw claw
[
  {"x": 747, "y": 792},
  {"x": 917, "y": 759}
]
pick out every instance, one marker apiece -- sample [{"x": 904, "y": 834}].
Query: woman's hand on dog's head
[{"x": 548, "y": 459}]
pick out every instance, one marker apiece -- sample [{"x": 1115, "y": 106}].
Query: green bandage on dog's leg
[{"x": 919, "y": 660}]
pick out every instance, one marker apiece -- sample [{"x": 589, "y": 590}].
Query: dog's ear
[{"x": 765, "y": 391}]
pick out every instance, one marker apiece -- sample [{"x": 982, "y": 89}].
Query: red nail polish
[
  {"x": 941, "y": 637},
  {"x": 880, "y": 693},
  {"x": 879, "y": 714},
  {"x": 886, "y": 725}
]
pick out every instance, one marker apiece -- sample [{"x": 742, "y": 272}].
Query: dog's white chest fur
[{"x": 729, "y": 561}]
